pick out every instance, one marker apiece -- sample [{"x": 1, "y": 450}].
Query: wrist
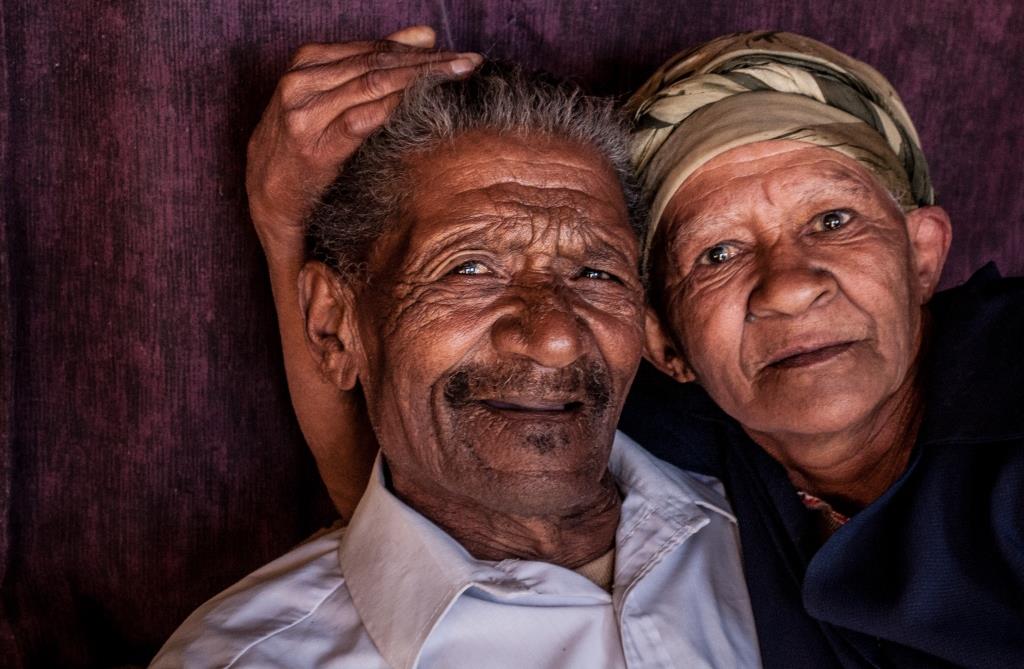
[
  {"x": 278, "y": 233},
  {"x": 285, "y": 250}
]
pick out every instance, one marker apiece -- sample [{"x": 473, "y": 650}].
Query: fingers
[
  {"x": 356, "y": 123},
  {"x": 349, "y": 112},
  {"x": 297, "y": 87},
  {"x": 317, "y": 53},
  {"x": 379, "y": 83},
  {"x": 320, "y": 53},
  {"x": 331, "y": 98}
]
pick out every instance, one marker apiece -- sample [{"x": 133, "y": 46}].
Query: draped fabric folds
[{"x": 758, "y": 86}]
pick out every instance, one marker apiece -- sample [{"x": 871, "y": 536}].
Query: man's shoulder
[{"x": 280, "y": 595}]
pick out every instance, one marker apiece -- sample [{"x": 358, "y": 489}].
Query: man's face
[
  {"x": 502, "y": 325},
  {"x": 790, "y": 287}
]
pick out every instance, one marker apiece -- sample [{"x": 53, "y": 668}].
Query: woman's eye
[
  {"x": 833, "y": 220},
  {"x": 718, "y": 254},
  {"x": 600, "y": 275},
  {"x": 470, "y": 268}
]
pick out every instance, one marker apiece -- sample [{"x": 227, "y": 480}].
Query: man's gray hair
[{"x": 368, "y": 196}]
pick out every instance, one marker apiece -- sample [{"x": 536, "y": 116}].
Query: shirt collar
[
  {"x": 645, "y": 479},
  {"x": 404, "y": 572}
]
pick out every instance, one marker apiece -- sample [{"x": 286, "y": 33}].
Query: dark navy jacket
[{"x": 929, "y": 575}]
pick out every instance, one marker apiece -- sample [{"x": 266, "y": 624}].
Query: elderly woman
[{"x": 868, "y": 434}]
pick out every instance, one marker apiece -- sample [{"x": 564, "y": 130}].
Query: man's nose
[
  {"x": 543, "y": 327},
  {"x": 790, "y": 285}
]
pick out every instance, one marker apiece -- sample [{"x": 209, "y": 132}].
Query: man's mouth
[
  {"x": 804, "y": 356},
  {"x": 524, "y": 408},
  {"x": 519, "y": 391}
]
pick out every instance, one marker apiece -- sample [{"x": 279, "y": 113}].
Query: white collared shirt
[{"x": 394, "y": 590}]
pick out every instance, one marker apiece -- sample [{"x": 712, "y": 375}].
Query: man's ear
[
  {"x": 930, "y": 233},
  {"x": 663, "y": 352},
  {"x": 327, "y": 309}
]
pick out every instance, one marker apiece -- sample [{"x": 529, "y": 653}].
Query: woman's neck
[{"x": 852, "y": 468}]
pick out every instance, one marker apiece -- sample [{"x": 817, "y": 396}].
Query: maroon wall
[{"x": 148, "y": 454}]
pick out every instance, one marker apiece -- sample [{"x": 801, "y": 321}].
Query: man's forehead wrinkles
[
  {"x": 520, "y": 210},
  {"x": 543, "y": 169},
  {"x": 514, "y": 192},
  {"x": 521, "y": 232},
  {"x": 518, "y": 220},
  {"x": 515, "y": 202}
]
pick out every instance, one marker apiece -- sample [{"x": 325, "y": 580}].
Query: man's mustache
[{"x": 587, "y": 382}]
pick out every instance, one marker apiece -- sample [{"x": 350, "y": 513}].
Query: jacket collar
[{"x": 973, "y": 366}]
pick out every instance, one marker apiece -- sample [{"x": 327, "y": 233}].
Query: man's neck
[
  {"x": 852, "y": 468},
  {"x": 569, "y": 538}
]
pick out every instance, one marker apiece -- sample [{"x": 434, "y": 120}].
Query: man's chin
[
  {"x": 536, "y": 494},
  {"x": 533, "y": 444},
  {"x": 528, "y": 463}
]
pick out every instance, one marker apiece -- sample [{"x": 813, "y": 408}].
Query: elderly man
[
  {"x": 478, "y": 277},
  {"x": 867, "y": 432}
]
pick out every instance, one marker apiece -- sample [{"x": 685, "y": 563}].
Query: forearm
[
  {"x": 329, "y": 100},
  {"x": 333, "y": 422}
]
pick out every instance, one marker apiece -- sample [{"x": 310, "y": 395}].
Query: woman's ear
[
  {"x": 663, "y": 352},
  {"x": 327, "y": 303},
  {"x": 930, "y": 234}
]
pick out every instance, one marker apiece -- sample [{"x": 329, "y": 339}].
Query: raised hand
[{"x": 329, "y": 100}]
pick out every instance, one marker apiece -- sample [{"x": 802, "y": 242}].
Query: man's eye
[
  {"x": 832, "y": 220},
  {"x": 600, "y": 275},
  {"x": 471, "y": 267},
  {"x": 718, "y": 254}
]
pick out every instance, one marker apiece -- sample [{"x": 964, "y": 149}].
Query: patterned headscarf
[{"x": 752, "y": 87}]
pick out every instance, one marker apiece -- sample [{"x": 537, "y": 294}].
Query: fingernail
[
  {"x": 463, "y": 66},
  {"x": 423, "y": 36},
  {"x": 474, "y": 57}
]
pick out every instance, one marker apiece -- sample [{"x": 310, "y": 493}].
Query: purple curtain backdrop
[{"x": 148, "y": 453}]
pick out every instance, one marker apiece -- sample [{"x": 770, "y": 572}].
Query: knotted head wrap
[{"x": 752, "y": 87}]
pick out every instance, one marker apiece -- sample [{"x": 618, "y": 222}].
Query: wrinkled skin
[
  {"x": 329, "y": 100},
  {"x": 793, "y": 288},
  {"x": 495, "y": 340}
]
